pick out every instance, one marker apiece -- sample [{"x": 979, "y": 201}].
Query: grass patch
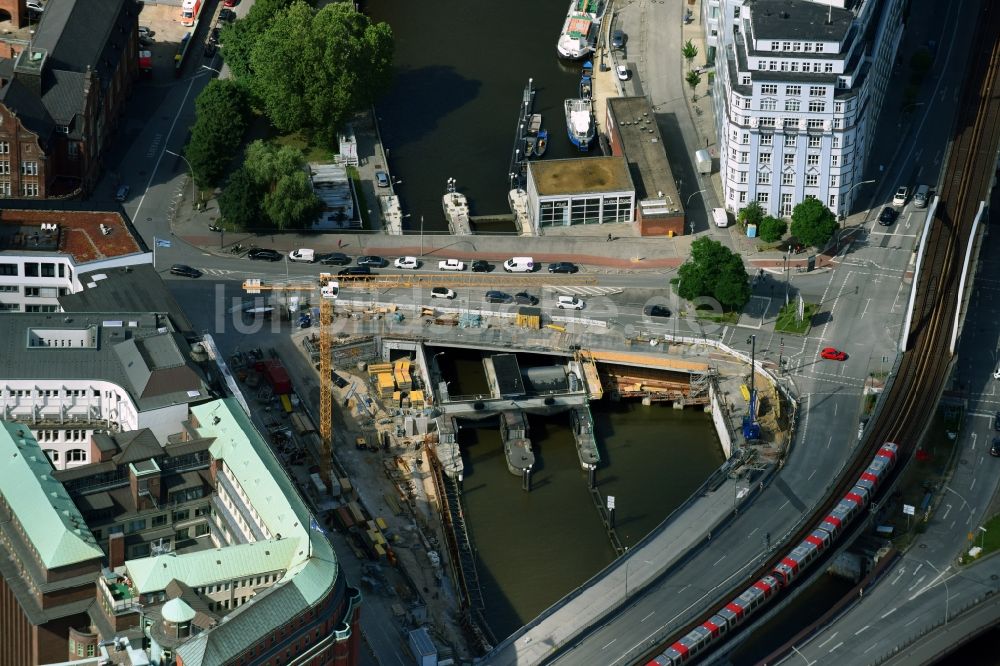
[
  {"x": 788, "y": 322},
  {"x": 712, "y": 315},
  {"x": 312, "y": 153},
  {"x": 990, "y": 541}
]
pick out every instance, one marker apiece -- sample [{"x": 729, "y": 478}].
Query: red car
[
  {"x": 831, "y": 354},
  {"x": 230, "y": 3}
]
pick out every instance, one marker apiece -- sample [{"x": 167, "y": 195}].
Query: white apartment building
[
  {"x": 67, "y": 376},
  {"x": 798, "y": 90},
  {"x": 48, "y": 253}
]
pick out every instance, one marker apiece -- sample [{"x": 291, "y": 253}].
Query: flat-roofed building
[
  {"x": 596, "y": 190},
  {"x": 634, "y": 135},
  {"x": 46, "y": 249}
]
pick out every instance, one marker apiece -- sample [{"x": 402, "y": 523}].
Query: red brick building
[{"x": 60, "y": 98}]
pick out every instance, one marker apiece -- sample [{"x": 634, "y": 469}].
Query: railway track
[{"x": 923, "y": 370}]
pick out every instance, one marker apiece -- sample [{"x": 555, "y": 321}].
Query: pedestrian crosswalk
[{"x": 571, "y": 290}]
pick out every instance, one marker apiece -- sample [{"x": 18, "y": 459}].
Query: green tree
[
  {"x": 240, "y": 202},
  {"x": 311, "y": 70},
  {"x": 752, "y": 213},
  {"x": 812, "y": 223},
  {"x": 222, "y": 118},
  {"x": 286, "y": 195},
  {"x": 240, "y": 37},
  {"x": 771, "y": 229},
  {"x": 714, "y": 270},
  {"x": 689, "y": 51},
  {"x": 693, "y": 78}
]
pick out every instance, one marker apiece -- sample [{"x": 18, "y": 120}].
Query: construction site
[{"x": 361, "y": 407}]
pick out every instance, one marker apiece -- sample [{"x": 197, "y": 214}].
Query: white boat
[
  {"x": 578, "y": 38},
  {"x": 580, "y": 122}
]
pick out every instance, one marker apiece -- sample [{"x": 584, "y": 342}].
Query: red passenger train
[{"x": 789, "y": 568}]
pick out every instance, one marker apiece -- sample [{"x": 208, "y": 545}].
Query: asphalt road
[{"x": 913, "y": 597}]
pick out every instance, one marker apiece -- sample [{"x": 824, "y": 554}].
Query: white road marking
[
  {"x": 719, "y": 560},
  {"x": 866, "y": 309},
  {"x": 918, "y": 568},
  {"x": 811, "y": 475},
  {"x": 836, "y": 646},
  {"x": 754, "y": 532},
  {"x": 609, "y": 644},
  {"x": 829, "y": 441},
  {"x": 784, "y": 505},
  {"x": 973, "y": 484},
  {"x": 919, "y": 581},
  {"x": 832, "y": 636},
  {"x": 972, "y": 447},
  {"x": 873, "y": 646},
  {"x": 946, "y": 512},
  {"x": 911, "y": 621},
  {"x": 651, "y": 614},
  {"x": 901, "y": 572},
  {"x": 862, "y": 630},
  {"x": 888, "y": 613}
]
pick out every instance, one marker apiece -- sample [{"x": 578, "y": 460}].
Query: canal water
[
  {"x": 461, "y": 67},
  {"x": 535, "y": 547}
]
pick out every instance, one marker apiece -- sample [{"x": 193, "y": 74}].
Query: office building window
[
  {"x": 29, "y": 168},
  {"x": 817, "y": 91},
  {"x": 793, "y": 90},
  {"x": 768, "y": 104},
  {"x": 769, "y": 89},
  {"x": 763, "y": 177},
  {"x": 788, "y": 159},
  {"x": 763, "y": 197},
  {"x": 790, "y": 140},
  {"x": 812, "y": 160},
  {"x": 764, "y": 158},
  {"x": 815, "y": 141},
  {"x": 792, "y": 105},
  {"x": 788, "y": 178},
  {"x": 812, "y": 180},
  {"x": 29, "y": 189},
  {"x": 4, "y": 148},
  {"x": 817, "y": 107},
  {"x": 766, "y": 139}
]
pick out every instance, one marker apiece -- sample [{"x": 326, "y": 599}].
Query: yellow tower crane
[
  {"x": 329, "y": 287},
  {"x": 328, "y": 291}
]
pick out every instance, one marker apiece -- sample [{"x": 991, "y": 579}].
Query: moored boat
[
  {"x": 578, "y": 38},
  {"x": 580, "y": 122},
  {"x": 541, "y": 142},
  {"x": 586, "y": 80}
]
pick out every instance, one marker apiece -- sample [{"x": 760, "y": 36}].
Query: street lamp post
[
  {"x": 687, "y": 203},
  {"x": 847, "y": 197},
  {"x": 752, "y": 341},
  {"x": 190, "y": 168},
  {"x": 982, "y": 537},
  {"x": 421, "y": 236},
  {"x": 784, "y": 269}
]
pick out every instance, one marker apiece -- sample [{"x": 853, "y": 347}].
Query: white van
[
  {"x": 303, "y": 254},
  {"x": 720, "y": 217},
  {"x": 519, "y": 265},
  {"x": 921, "y": 196}
]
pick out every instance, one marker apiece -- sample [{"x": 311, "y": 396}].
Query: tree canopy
[
  {"x": 714, "y": 270},
  {"x": 308, "y": 70},
  {"x": 239, "y": 202},
  {"x": 771, "y": 229},
  {"x": 813, "y": 223},
  {"x": 752, "y": 213},
  {"x": 222, "y": 118},
  {"x": 281, "y": 187}
]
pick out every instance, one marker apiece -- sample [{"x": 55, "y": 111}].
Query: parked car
[
  {"x": 569, "y": 303},
  {"x": 264, "y": 254},
  {"x": 995, "y": 448},
  {"x": 996, "y": 374},
  {"x": 451, "y": 265},
  {"x": 213, "y": 35},
  {"x": 497, "y": 297},
  {"x": 996, "y": 422},
  {"x": 355, "y": 270},
  {"x": 372, "y": 261},
  {"x": 304, "y": 255},
  {"x": 144, "y": 31},
  {"x": 382, "y": 179},
  {"x": 230, "y": 3},
  {"x": 34, "y": 6},
  {"x": 887, "y": 216},
  {"x": 122, "y": 193},
  {"x": 622, "y": 72},
  {"x": 333, "y": 259},
  {"x": 227, "y": 15},
  {"x": 618, "y": 39},
  {"x": 656, "y": 311},
  {"x": 524, "y": 298},
  {"x": 210, "y": 49},
  {"x": 442, "y": 292},
  {"x": 407, "y": 262},
  {"x": 481, "y": 266},
  {"x": 902, "y": 194},
  {"x": 185, "y": 271},
  {"x": 833, "y": 354},
  {"x": 563, "y": 267}
]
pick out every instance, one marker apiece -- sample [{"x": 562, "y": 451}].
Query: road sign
[
  {"x": 802, "y": 308},
  {"x": 611, "y": 502},
  {"x": 162, "y": 242},
  {"x": 909, "y": 509}
]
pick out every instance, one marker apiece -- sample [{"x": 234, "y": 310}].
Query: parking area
[{"x": 163, "y": 21}]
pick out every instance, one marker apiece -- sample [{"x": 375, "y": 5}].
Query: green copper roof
[{"x": 51, "y": 522}]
